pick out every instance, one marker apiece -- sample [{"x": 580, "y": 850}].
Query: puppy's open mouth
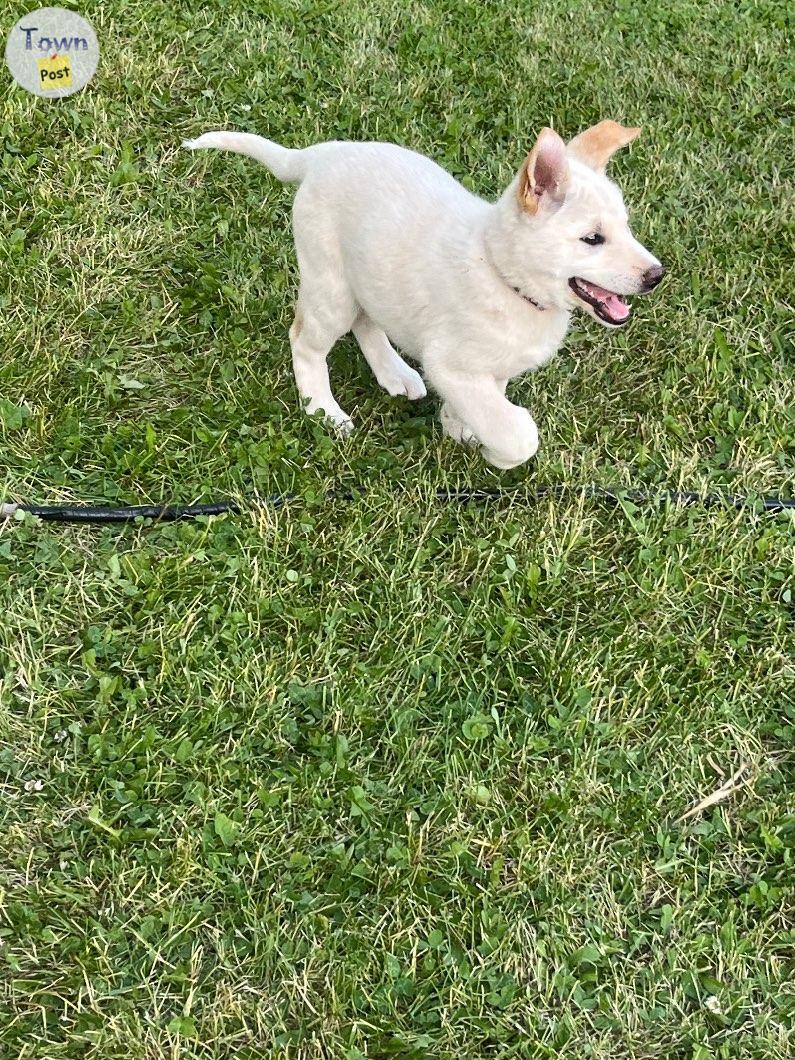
[{"x": 607, "y": 305}]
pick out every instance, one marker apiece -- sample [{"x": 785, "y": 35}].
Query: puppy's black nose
[{"x": 652, "y": 277}]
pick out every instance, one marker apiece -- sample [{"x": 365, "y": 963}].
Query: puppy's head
[{"x": 570, "y": 238}]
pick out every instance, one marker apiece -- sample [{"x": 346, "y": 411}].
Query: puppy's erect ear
[
  {"x": 596, "y": 146},
  {"x": 545, "y": 173}
]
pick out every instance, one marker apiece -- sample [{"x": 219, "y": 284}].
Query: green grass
[{"x": 389, "y": 778}]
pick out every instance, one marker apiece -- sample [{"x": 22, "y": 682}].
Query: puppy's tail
[{"x": 284, "y": 163}]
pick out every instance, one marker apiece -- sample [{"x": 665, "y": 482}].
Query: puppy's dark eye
[{"x": 594, "y": 239}]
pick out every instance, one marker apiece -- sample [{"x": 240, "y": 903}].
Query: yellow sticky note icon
[{"x": 55, "y": 73}]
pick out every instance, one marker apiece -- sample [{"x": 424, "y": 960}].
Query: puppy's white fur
[{"x": 389, "y": 244}]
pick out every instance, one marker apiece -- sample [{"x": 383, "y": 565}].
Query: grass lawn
[{"x": 389, "y": 778}]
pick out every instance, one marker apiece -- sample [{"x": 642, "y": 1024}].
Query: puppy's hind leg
[
  {"x": 311, "y": 339},
  {"x": 391, "y": 371},
  {"x": 326, "y": 308},
  {"x": 321, "y": 317}
]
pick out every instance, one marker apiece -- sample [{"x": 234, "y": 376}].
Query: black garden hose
[{"x": 68, "y": 513}]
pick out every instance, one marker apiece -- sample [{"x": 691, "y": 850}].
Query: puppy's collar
[
  {"x": 516, "y": 290},
  {"x": 527, "y": 298}
]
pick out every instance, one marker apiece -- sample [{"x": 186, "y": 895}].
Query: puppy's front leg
[{"x": 507, "y": 433}]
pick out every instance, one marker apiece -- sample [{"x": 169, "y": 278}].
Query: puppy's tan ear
[
  {"x": 597, "y": 145},
  {"x": 545, "y": 173}
]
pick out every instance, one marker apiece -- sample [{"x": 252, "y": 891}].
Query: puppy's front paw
[
  {"x": 455, "y": 428},
  {"x": 518, "y": 445}
]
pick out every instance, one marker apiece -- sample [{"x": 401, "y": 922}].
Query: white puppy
[{"x": 389, "y": 244}]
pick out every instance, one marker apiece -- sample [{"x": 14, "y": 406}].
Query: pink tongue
[{"x": 617, "y": 309}]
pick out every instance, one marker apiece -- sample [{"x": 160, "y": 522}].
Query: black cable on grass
[{"x": 67, "y": 513}]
